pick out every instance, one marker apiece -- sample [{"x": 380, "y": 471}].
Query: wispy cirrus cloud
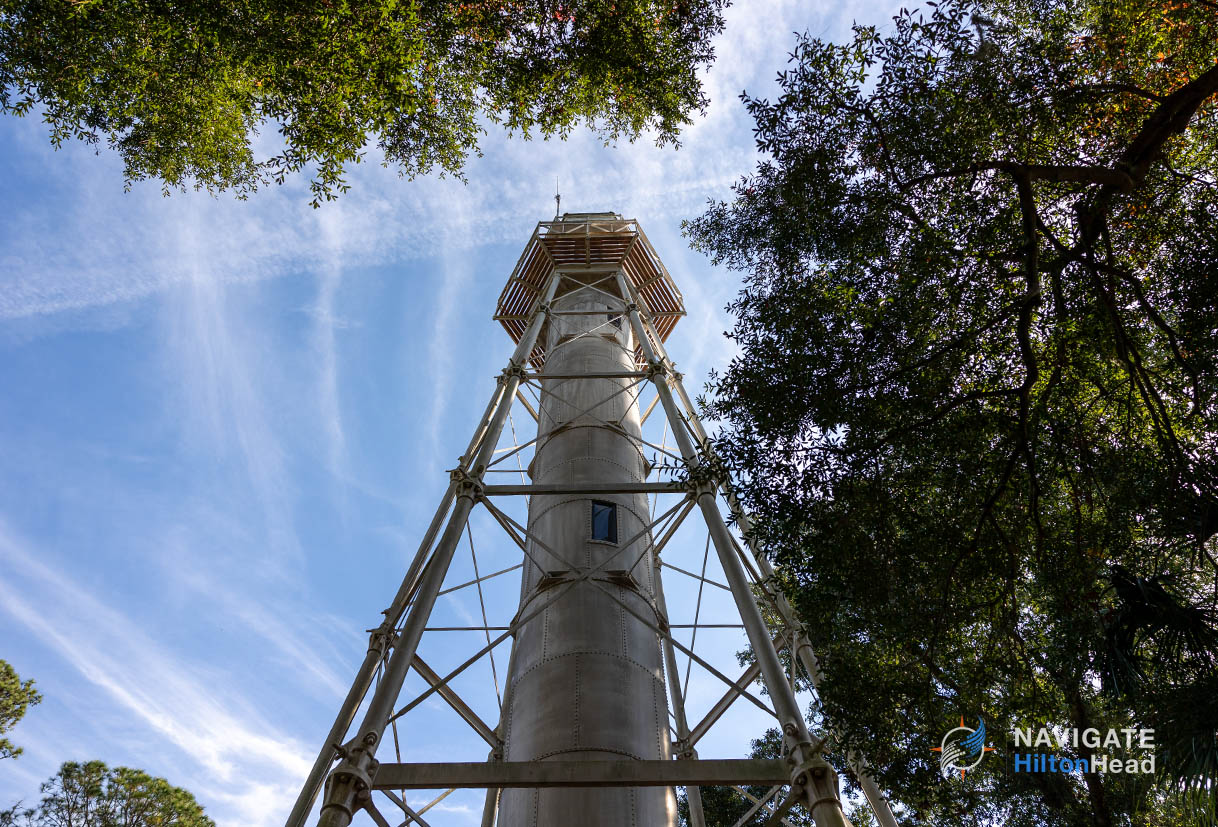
[
  {"x": 242, "y": 756},
  {"x": 305, "y": 643},
  {"x": 216, "y": 359},
  {"x": 326, "y": 322},
  {"x": 452, "y": 287},
  {"x": 121, "y": 247}
]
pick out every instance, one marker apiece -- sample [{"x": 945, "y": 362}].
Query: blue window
[{"x": 604, "y": 521}]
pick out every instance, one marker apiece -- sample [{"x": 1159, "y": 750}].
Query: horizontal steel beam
[
  {"x": 518, "y": 317},
  {"x": 576, "y": 268},
  {"x": 622, "y": 773},
  {"x": 598, "y": 312},
  {"x": 621, "y": 374},
  {"x": 585, "y": 488}
]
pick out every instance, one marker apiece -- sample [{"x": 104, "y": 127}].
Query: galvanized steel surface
[{"x": 587, "y": 680}]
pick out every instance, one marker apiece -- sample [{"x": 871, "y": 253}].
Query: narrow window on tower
[{"x": 604, "y": 521}]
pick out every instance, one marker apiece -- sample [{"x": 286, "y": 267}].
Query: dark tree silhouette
[{"x": 976, "y": 402}]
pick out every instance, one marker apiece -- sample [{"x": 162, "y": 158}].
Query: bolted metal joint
[
  {"x": 671, "y": 368},
  {"x": 815, "y": 783},
  {"x": 656, "y": 368},
  {"x": 515, "y": 370},
  {"x": 347, "y": 789},
  {"x": 813, "y": 768},
  {"x": 381, "y": 638},
  {"x": 682, "y": 749},
  {"x": 466, "y": 485}
]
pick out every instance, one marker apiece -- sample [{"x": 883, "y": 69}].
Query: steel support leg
[
  {"x": 811, "y": 772},
  {"x": 807, "y": 657},
  {"x": 351, "y": 780},
  {"x": 363, "y": 678},
  {"x": 806, "y": 654}
]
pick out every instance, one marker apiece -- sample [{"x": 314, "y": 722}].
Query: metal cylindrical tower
[
  {"x": 582, "y": 734},
  {"x": 587, "y": 678}
]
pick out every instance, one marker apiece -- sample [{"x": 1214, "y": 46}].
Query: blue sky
[{"x": 224, "y": 426}]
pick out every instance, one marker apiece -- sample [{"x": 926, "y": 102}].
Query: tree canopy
[
  {"x": 180, "y": 90},
  {"x": 974, "y": 408},
  {"x": 92, "y": 795},
  {"x": 16, "y": 696}
]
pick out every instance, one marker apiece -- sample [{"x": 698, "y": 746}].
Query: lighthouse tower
[
  {"x": 591, "y": 728},
  {"x": 587, "y": 679}
]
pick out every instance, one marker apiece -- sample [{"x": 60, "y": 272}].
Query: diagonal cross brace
[{"x": 454, "y": 700}]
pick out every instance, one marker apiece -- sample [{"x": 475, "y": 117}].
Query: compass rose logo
[{"x": 962, "y": 748}]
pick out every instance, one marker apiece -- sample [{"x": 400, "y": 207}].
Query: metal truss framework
[{"x": 392, "y": 650}]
